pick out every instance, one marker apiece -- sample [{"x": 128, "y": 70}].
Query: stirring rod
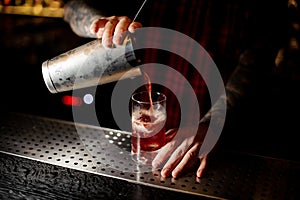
[{"x": 138, "y": 12}]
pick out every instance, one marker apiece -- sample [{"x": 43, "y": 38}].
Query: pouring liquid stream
[{"x": 149, "y": 89}]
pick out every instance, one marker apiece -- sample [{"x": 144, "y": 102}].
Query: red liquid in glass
[
  {"x": 148, "y": 126},
  {"x": 148, "y": 133}
]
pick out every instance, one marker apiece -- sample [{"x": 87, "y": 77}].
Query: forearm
[
  {"x": 244, "y": 77},
  {"x": 80, "y": 17},
  {"x": 252, "y": 66}
]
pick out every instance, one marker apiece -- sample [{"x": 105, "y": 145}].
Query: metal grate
[{"x": 106, "y": 152}]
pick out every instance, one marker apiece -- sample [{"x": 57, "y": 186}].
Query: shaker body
[{"x": 89, "y": 65}]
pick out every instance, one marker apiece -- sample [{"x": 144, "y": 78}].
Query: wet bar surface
[{"x": 44, "y": 158}]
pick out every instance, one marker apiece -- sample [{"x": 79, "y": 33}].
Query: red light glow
[{"x": 71, "y": 100}]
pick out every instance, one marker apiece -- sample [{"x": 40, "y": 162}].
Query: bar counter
[{"x": 45, "y": 158}]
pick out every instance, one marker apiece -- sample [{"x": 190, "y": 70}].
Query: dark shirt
[{"x": 225, "y": 29}]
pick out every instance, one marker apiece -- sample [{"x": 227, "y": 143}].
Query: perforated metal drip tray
[{"x": 105, "y": 152}]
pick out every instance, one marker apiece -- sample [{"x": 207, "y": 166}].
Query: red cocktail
[{"x": 148, "y": 125}]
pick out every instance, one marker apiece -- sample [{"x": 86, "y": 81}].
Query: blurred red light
[{"x": 71, "y": 100}]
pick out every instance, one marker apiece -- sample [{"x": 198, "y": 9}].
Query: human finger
[
  {"x": 171, "y": 163},
  {"x": 133, "y": 26},
  {"x": 202, "y": 166},
  {"x": 176, "y": 156},
  {"x": 188, "y": 161},
  {"x": 163, "y": 154},
  {"x": 97, "y": 27},
  {"x": 120, "y": 29},
  {"x": 109, "y": 31}
]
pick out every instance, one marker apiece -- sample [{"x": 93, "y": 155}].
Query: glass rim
[{"x": 164, "y": 97}]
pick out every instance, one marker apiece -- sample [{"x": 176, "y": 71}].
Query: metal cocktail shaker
[{"x": 89, "y": 65}]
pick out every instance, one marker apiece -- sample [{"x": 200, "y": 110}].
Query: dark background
[{"x": 26, "y": 42}]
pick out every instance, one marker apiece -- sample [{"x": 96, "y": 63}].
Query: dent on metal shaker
[{"x": 89, "y": 65}]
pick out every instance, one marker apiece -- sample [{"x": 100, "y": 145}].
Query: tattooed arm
[
  {"x": 107, "y": 23},
  {"x": 80, "y": 16}
]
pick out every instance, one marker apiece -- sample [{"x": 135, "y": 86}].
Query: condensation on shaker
[{"x": 89, "y": 65}]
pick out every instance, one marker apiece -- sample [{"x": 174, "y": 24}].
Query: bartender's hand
[
  {"x": 111, "y": 29},
  {"x": 181, "y": 153}
]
